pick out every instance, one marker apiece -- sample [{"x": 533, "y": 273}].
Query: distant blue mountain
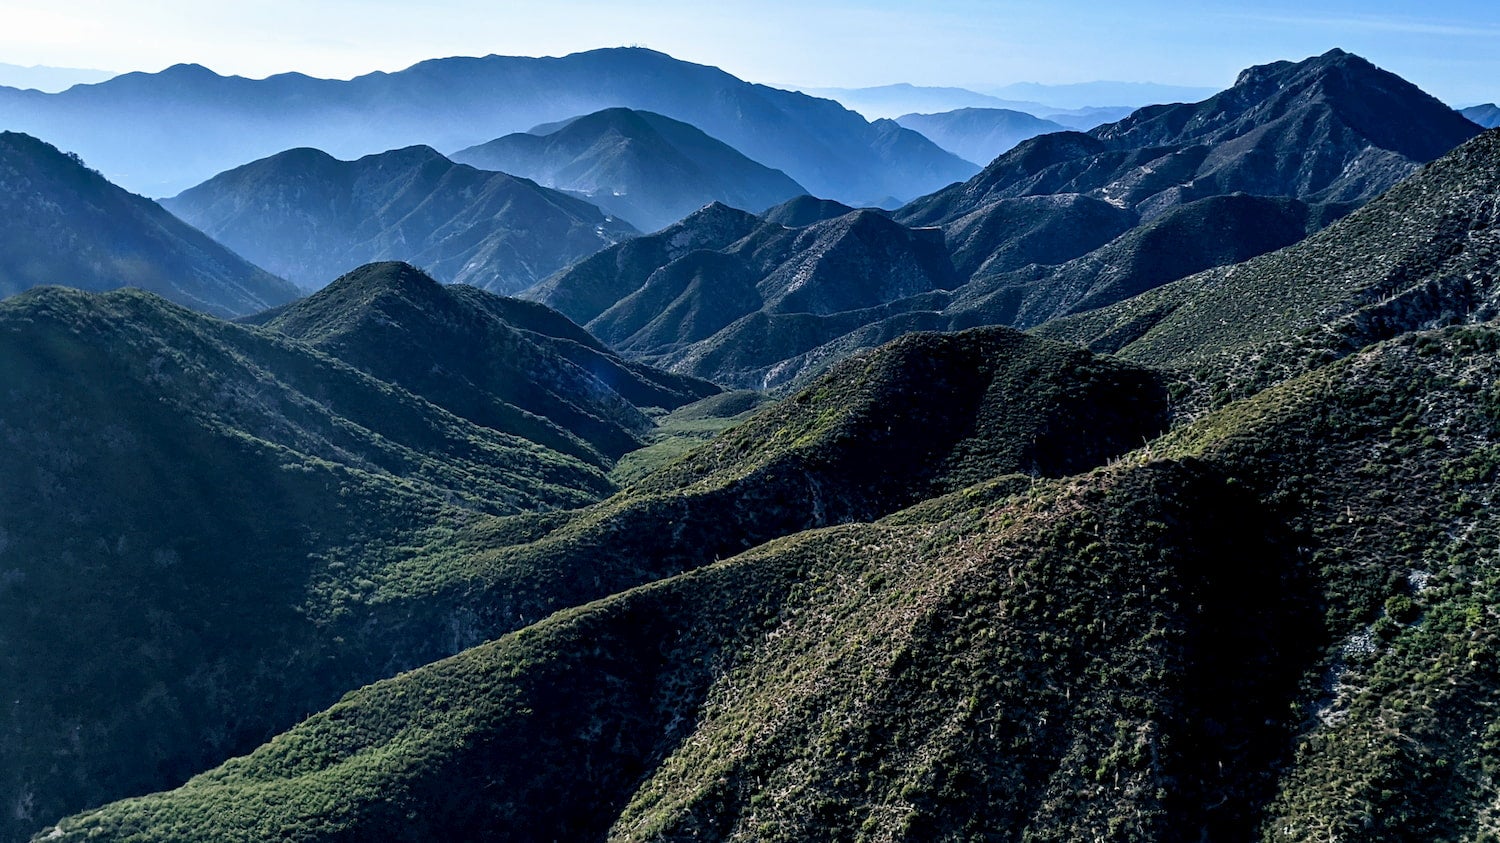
[
  {"x": 52, "y": 79},
  {"x": 979, "y": 134},
  {"x": 163, "y": 132},
  {"x": 1487, "y": 115},
  {"x": 1086, "y": 94}
]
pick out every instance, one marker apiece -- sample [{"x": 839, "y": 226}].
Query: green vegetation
[
  {"x": 193, "y": 518},
  {"x": 513, "y": 366}
]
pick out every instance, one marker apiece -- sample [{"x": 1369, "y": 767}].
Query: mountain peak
[{"x": 395, "y": 276}]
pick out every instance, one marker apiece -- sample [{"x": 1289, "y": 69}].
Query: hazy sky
[{"x": 1449, "y": 47}]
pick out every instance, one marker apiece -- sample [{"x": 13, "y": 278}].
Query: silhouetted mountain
[
  {"x": 312, "y": 218},
  {"x": 649, "y": 170},
  {"x": 978, "y": 134},
  {"x": 506, "y": 364},
  {"x": 166, "y": 131},
  {"x": 1487, "y": 115},
  {"x": 62, "y": 223},
  {"x": 195, "y": 515}
]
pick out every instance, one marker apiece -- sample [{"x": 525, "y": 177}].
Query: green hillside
[
  {"x": 513, "y": 366},
  {"x": 190, "y": 521},
  {"x": 1208, "y": 638}
]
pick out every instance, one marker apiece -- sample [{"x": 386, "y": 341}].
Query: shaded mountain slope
[
  {"x": 1421, "y": 255},
  {"x": 62, "y": 223},
  {"x": 1207, "y": 639},
  {"x": 978, "y": 134},
  {"x": 1217, "y": 231},
  {"x": 313, "y": 218},
  {"x": 649, "y": 170},
  {"x": 163, "y": 132},
  {"x": 501, "y": 363},
  {"x": 190, "y": 517}
]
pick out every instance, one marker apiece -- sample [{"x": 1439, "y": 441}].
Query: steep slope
[
  {"x": 979, "y": 134},
  {"x": 646, "y": 169},
  {"x": 1320, "y": 130},
  {"x": 1217, "y": 231},
  {"x": 1420, "y": 256},
  {"x": 760, "y": 296},
  {"x": 164, "y": 132},
  {"x": 312, "y": 218},
  {"x": 190, "y": 520},
  {"x": 1487, "y": 115},
  {"x": 1210, "y": 639},
  {"x": 62, "y": 223},
  {"x": 505, "y": 364}
]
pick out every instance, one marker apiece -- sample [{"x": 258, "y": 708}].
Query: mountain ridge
[
  {"x": 314, "y": 217},
  {"x": 187, "y": 122}
]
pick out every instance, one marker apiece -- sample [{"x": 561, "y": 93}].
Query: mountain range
[
  {"x": 63, "y": 223},
  {"x": 979, "y": 134},
  {"x": 1062, "y": 223},
  {"x": 1209, "y": 551},
  {"x": 311, "y": 218},
  {"x": 164, "y": 132},
  {"x": 646, "y": 169},
  {"x": 1236, "y": 584},
  {"x": 890, "y": 101}
]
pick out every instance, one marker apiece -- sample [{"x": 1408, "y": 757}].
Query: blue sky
[{"x": 1449, "y": 47}]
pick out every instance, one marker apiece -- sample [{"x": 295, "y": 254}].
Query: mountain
[
  {"x": 1253, "y": 138},
  {"x": 193, "y": 526},
  {"x": 1420, "y": 256},
  {"x": 50, "y": 79},
  {"x": 164, "y": 132},
  {"x": 1487, "y": 115},
  {"x": 63, "y": 223},
  {"x": 1078, "y": 95},
  {"x": 505, "y": 364},
  {"x": 805, "y": 210},
  {"x": 890, "y": 101},
  {"x": 978, "y": 134},
  {"x": 1064, "y": 222},
  {"x": 311, "y": 218},
  {"x": 1316, "y": 130},
  {"x": 649, "y": 170},
  {"x": 1217, "y": 231},
  {"x": 1212, "y": 637},
  {"x": 727, "y": 296}
]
